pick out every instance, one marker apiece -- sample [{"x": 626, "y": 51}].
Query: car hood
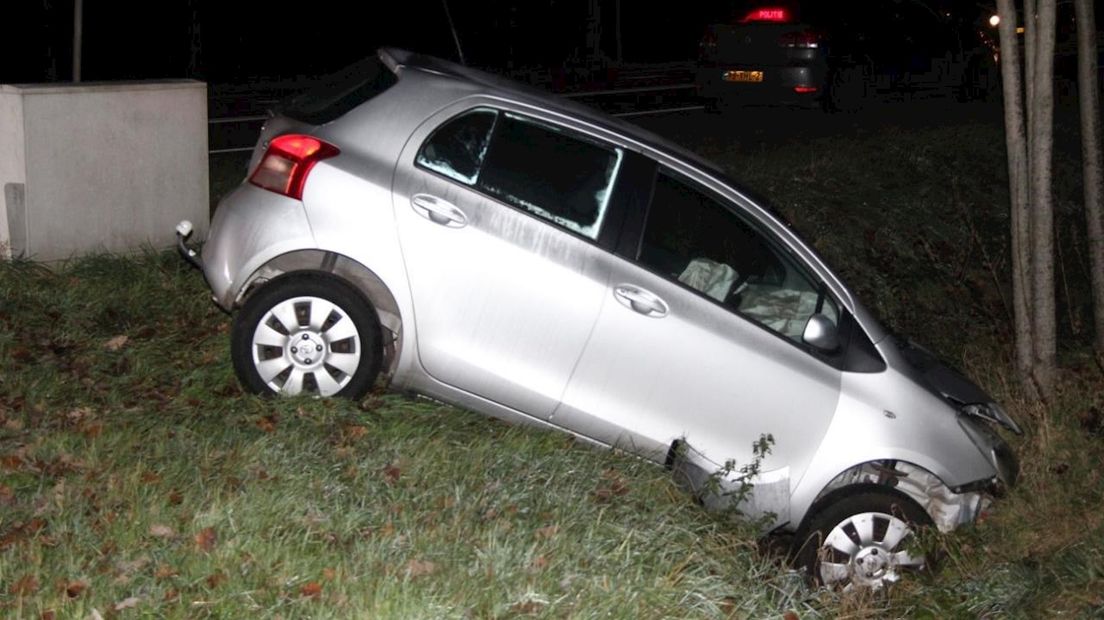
[{"x": 939, "y": 377}]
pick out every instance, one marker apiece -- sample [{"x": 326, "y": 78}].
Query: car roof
[{"x": 485, "y": 83}]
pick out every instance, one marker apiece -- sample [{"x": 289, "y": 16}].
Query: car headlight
[{"x": 992, "y": 445}]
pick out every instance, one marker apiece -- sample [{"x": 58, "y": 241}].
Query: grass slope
[{"x": 137, "y": 480}]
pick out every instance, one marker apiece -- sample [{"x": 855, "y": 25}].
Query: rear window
[{"x": 334, "y": 95}]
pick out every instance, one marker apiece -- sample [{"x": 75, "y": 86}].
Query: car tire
[
  {"x": 866, "y": 539},
  {"x": 306, "y": 333}
]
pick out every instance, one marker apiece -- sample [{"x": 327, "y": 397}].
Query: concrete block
[{"x": 100, "y": 166}]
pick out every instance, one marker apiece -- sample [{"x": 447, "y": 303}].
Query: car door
[
  {"x": 499, "y": 215},
  {"x": 700, "y": 338}
]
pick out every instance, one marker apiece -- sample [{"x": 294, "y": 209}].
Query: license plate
[{"x": 743, "y": 76}]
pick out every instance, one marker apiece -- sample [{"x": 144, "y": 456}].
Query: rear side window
[
  {"x": 547, "y": 171},
  {"x": 334, "y": 95}
]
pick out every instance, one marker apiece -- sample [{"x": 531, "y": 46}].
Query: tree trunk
[
  {"x": 1089, "y": 96},
  {"x": 195, "y": 41},
  {"x": 1016, "y": 144},
  {"x": 1041, "y": 142}
]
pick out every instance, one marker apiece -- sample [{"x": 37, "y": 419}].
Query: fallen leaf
[
  {"x": 539, "y": 563},
  {"x": 418, "y": 568},
  {"x": 171, "y": 595},
  {"x": 355, "y": 432},
  {"x": 92, "y": 431},
  {"x": 116, "y": 343},
  {"x": 49, "y": 614},
  {"x": 268, "y": 423},
  {"x": 311, "y": 589},
  {"x": 21, "y": 532},
  {"x": 205, "y": 540},
  {"x": 12, "y": 462},
  {"x": 789, "y": 615},
  {"x": 149, "y": 477},
  {"x": 127, "y": 603},
  {"x": 391, "y": 473},
  {"x": 176, "y": 497},
  {"x": 216, "y": 579},
  {"x": 7, "y": 496},
  {"x": 329, "y": 574},
  {"x": 75, "y": 588},
  {"x": 164, "y": 571},
  {"x": 25, "y": 586},
  {"x": 547, "y": 532},
  {"x": 161, "y": 531}
]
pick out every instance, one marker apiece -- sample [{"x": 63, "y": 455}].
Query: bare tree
[
  {"x": 1089, "y": 96},
  {"x": 1040, "y": 165},
  {"x": 1016, "y": 145},
  {"x": 1029, "y": 135}
]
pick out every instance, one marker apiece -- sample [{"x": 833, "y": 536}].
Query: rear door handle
[
  {"x": 640, "y": 300},
  {"x": 438, "y": 211}
]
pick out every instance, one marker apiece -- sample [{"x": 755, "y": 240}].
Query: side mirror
[{"x": 821, "y": 334}]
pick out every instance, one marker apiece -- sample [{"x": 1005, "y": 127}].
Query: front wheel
[
  {"x": 865, "y": 540},
  {"x": 308, "y": 334}
]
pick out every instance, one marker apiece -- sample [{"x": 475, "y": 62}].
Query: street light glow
[{"x": 994, "y": 20}]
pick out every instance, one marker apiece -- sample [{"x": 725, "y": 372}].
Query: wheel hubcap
[
  {"x": 868, "y": 550},
  {"x": 306, "y": 344}
]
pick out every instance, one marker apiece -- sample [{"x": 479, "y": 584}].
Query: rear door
[
  {"x": 699, "y": 337},
  {"x": 500, "y": 216}
]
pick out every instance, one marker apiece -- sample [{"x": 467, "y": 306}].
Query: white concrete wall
[{"x": 106, "y": 167}]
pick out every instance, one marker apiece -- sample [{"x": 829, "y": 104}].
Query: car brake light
[
  {"x": 804, "y": 90},
  {"x": 775, "y": 14},
  {"x": 286, "y": 163},
  {"x": 806, "y": 40}
]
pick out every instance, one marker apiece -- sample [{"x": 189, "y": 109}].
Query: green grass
[{"x": 137, "y": 480}]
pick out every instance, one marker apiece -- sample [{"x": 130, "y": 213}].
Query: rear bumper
[
  {"x": 183, "y": 231},
  {"x": 793, "y": 84},
  {"x": 251, "y": 227}
]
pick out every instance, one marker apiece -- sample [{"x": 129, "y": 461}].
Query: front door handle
[
  {"x": 438, "y": 211},
  {"x": 640, "y": 300}
]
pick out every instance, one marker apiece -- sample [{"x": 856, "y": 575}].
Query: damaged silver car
[{"x": 425, "y": 226}]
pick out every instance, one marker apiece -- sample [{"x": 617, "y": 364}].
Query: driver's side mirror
[{"x": 821, "y": 334}]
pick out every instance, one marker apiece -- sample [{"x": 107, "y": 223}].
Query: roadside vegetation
[{"x": 136, "y": 479}]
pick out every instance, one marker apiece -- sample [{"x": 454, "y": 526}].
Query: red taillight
[
  {"x": 805, "y": 90},
  {"x": 806, "y": 39},
  {"x": 286, "y": 163},
  {"x": 775, "y": 14}
]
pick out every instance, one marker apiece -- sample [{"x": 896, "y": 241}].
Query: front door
[
  {"x": 699, "y": 338},
  {"x": 498, "y": 217}
]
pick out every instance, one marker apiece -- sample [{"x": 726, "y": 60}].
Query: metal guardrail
[{"x": 255, "y": 118}]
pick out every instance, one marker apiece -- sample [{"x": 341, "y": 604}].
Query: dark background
[{"x": 225, "y": 42}]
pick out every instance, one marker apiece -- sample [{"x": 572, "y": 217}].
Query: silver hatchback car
[{"x": 439, "y": 230}]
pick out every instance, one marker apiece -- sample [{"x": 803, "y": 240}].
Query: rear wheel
[
  {"x": 864, "y": 540},
  {"x": 308, "y": 334}
]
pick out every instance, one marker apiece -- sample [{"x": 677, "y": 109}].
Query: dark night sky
[{"x": 253, "y": 40}]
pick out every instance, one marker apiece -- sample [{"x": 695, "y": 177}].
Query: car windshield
[{"x": 332, "y": 96}]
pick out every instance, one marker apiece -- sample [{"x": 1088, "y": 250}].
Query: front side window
[
  {"x": 538, "y": 168},
  {"x": 693, "y": 238}
]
